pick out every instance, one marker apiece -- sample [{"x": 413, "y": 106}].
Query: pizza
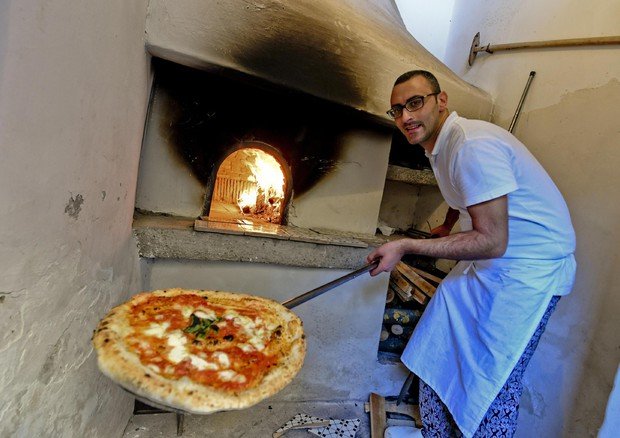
[{"x": 200, "y": 351}]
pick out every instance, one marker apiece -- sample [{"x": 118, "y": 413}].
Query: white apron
[{"x": 477, "y": 326}]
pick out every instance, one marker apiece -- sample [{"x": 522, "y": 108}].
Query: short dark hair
[{"x": 432, "y": 80}]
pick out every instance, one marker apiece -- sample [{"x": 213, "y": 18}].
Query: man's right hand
[{"x": 388, "y": 255}]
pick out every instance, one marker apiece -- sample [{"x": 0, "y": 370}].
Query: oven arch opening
[{"x": 253, "y": 181}]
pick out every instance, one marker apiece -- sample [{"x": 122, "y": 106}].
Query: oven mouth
[{"x": 252, "y": 182}]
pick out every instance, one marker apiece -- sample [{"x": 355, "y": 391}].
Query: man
[{"x": 515, "y": 247}]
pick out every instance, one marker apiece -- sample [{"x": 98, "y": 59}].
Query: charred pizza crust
[{"x": 118, "y": 360}]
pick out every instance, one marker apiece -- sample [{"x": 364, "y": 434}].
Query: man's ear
[{"x": 442, "y": 100}]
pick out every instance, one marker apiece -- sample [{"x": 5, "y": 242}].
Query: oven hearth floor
[
  {"x": 259, "y": 421},
  {"x": 166, "y": 237}
]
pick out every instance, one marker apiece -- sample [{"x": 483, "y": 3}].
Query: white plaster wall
[
  {"x": 428, "y": 22},
  {"x": 73, "y": 93},
  {"x": 349, "y": 197},
  {"x": 342, "y": 326},
  {"x": 570, "y": 123},
  {"x": 398, "y": 204},
  {"x": 166, "y": 183}
]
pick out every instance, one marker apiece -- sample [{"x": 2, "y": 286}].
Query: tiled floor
[{"x": 259, "y": 421}]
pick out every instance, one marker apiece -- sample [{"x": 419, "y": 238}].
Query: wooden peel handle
[{"x": 490, "y": 48}]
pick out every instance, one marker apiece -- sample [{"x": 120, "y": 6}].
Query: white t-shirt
[
  {"x": 475, "y": 161},
  {"x": 484, "y": 313}
]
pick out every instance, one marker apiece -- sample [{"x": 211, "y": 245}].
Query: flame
[
  {"x": 248, "y": 198},
  {"x": 268, "y": 188}
]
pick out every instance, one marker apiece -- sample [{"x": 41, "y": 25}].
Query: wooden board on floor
[
  {"x": 378, "y": 408},
  {"x": 378, "y": 418}
]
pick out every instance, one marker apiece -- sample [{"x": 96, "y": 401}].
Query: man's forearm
[
  {"x": 487, "y": 239},
  {"x": 469, "y": 245}
]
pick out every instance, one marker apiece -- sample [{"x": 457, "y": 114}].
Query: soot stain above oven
[
  {"x": 207, "y": 115},
  {"x": 314, "y": 53}
]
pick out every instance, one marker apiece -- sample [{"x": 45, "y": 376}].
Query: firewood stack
[
  {"x": 411, "y": 283},
  {"x": 410, "y": 289}
]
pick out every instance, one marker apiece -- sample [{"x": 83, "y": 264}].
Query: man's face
[{"x": 422, "y": 125}]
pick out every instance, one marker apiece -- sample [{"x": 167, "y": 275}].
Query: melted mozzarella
[
  {"x": 257, "y": 340},
  {"x": 186, "y": 311},
  {"x": 179, "y": 351},
  {"x": 206, "y": 314},
  {"x": 247, "y": 348},
  {"x": 202, "y": 364},
  {"x": 230, "y": 314},
  {"x": 222, "y": 358},
  {"x": 231, "y": 376},
  {"x": 253, "y": 329},
  {"x": 157, "y": 330}
]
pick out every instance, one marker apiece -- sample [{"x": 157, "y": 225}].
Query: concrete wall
[
  {"x": 73, "y": 93},
  {"x": 348, "y": 198},
  {"x": 570, "y": 123}
]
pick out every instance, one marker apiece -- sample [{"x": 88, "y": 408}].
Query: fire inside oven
[{"x": 251, "y": 183}]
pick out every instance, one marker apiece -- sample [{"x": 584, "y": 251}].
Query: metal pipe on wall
[{"x": 518, "y": 110}]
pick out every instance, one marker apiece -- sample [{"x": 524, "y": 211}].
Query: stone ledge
[
  {"x": 164, "y": 237},
  {"x": 411, "y": 176}
]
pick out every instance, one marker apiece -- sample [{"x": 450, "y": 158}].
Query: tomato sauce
[{"x": 154, "y": 350}]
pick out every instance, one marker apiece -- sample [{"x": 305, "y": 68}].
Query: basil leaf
[{"x": 199, "y": 326}]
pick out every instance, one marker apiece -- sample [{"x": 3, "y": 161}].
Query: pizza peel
[{"x": 289, "y": 304}]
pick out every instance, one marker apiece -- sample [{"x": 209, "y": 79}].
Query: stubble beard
[{"x": 421, "y": 136}]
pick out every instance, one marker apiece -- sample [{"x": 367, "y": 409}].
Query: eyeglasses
[{"x": 413, "y": 103}]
